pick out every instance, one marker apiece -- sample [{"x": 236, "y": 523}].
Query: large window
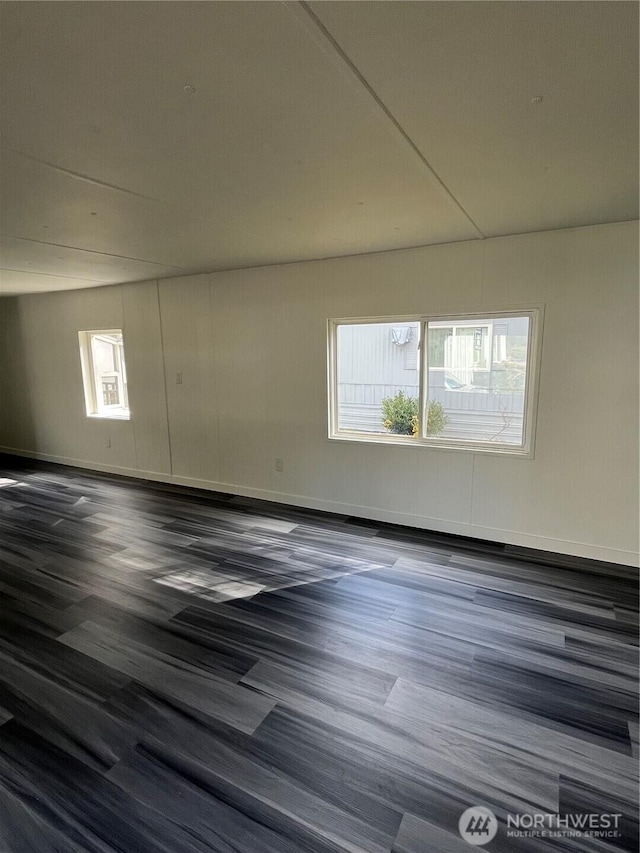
[
  {"x": 104, "y": 374},
  {"x": 465, "y": 381}
]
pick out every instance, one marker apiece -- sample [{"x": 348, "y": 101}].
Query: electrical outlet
[
  {"x": 279, "y": 465},
  {"x": 179, "y": 378},
  {"x": 108, "y": 442}
]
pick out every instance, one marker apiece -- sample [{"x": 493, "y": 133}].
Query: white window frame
[
  {"x": 93, "y": 408},
  {"x": 535, "y": 314}
]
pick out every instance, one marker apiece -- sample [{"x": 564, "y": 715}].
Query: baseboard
[{"x": 585, "y": 550}]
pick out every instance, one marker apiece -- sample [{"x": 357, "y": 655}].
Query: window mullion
[{"x": 423, "y": 390}]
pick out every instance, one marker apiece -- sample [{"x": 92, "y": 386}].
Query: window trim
[
  {"x": 535, "y": 313},
  {"x": 91, "y": 407}
]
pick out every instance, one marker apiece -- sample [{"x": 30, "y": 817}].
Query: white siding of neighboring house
[{"x": 371, "y": 367}]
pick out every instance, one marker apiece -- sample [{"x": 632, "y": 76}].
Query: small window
[
  {"x": 104, "y": 374},
  {"x": 458, "y": 382}
]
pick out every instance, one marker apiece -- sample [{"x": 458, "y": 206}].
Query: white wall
[{"x": 251, "y": 347}]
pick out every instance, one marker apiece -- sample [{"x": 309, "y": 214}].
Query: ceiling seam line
[
  {"x": 387, "y": 112},
  {"x": 173, "y": 206},
  {"x": 93, "y": 252},
  {"x": 86, "y": 178},
  {"x": 51, "y": 274}
]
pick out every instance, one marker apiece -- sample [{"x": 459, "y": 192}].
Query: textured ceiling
[{"x": 142, "y": 140}]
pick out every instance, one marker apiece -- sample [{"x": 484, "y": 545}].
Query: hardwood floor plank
[
  {"x": 162, "y": 637},
  {"x": 557, "y": 751},
  {"x": 589, "y": 708},
  {"x": 419, "y": 836},
  {"x": 71, "y": 669},
  {"x": 24, "y": 828},
  {"x": 430, "y": 749},
  {"x": 191, "y": 672},
  {"x": 423, "y": 769},
  {"x": 338, "y": 680},
  {"x": 79, "y": 725},
  {"x": 67, "y": 798},
  {"x": 205, "y": 690},
  {"x": 577, "y": 797},
  {"x": 253, "y": 794}
]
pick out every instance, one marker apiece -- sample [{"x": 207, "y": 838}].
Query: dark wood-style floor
[{"x": 184, "y": 671}]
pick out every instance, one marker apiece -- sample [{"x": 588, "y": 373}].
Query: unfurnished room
[{"x": 319, "y": 497}]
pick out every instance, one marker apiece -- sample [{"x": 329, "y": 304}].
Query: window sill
[
  {"x": 435, "y": 444},
  {"x": 119, "y": 417}
]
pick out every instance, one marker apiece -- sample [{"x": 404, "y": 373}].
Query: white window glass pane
[
  {"x": 477, "y": 379},
  {"x": 438, "y": 338},
  {"x": 378, "y": 378},
  {"x": 104, "y": 374}
]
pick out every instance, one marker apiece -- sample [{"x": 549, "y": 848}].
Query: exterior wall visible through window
[
  {"x": 477, "y": 389},
  {"x": 104, "y": 374}
]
